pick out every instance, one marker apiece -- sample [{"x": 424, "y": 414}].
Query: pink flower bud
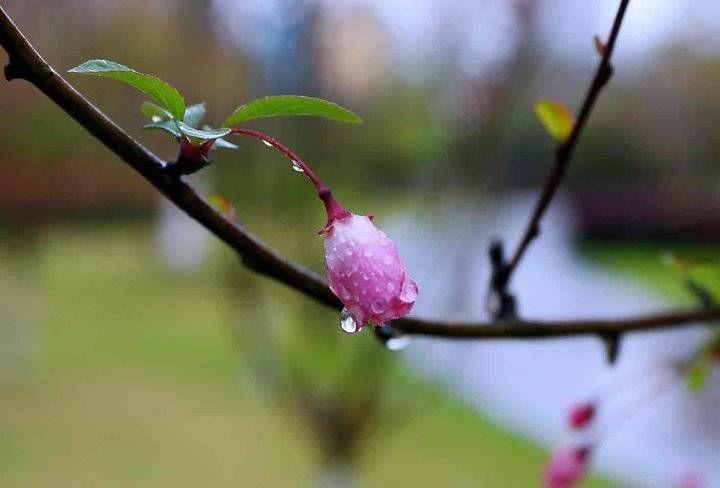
[
  {"x": 567, "y": 467},
  {"x": 365, "y": 272},
  {"x": 581, "y": 415}
]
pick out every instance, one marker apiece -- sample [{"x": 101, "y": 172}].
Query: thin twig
[
  {"x": 564, "y": 151},
  {"x": 26, "y": 63}
]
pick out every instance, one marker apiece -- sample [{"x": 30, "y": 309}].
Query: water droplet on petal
[
  {"x": 347, "y": 323},
  {"x": 409, "y": 291},
  {"x": 397, "y": 343},
  {"x": 267, "y": 143},
  {"x": 297, "y": 167}
]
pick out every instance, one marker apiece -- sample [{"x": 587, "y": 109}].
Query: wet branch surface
[{"x": 25, "y": 63}]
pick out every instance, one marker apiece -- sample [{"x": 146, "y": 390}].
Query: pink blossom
[
  {"x": 581, "y": 415},
  {"x": 365, "y": 271},
  {"x": 567, "y": 467}
]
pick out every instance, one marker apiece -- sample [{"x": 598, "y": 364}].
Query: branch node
[
  {"x": 500, "y": 303},
  {"x": 185, "y": 166}
]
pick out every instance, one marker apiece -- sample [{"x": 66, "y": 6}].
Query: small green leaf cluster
[{"x": 169, "y": 112}]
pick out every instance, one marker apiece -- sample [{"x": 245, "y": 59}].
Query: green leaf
[
  {"x": 220, "y": 143},
  {"x": 223, "y": 144},
  {"x": 152, "y": 86},
  {"x": 154, "y": 112},
  {"x": 161, "y": 119},
  {"x": 204, "y": 134},
  {"x": 194, "y": 114},
  {"x": 556, "y": 118},
  {"x": 167, "y": 125},
  {"x": 697, "y": 376},
  {"x": 281, "y": 105}
]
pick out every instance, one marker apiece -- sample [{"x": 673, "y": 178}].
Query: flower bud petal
[{"x": 365, "y": 271}]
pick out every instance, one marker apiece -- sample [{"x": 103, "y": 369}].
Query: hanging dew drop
[
  {"x": 390, "y": 337},
  {"x": 297, "y": 167},
  {"x": 397, "y": 343},
  {"x": 267, "y": 143},
  {"x": 347, "y": 323}
]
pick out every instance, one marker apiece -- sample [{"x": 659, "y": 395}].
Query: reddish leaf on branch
[
  {"x": 556, "y": 118},
  {"x": 600, "y": 46}
]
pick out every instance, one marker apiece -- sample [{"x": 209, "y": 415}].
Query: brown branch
[
  {"x": 564, "y": 151},
  {"x": 25, "y": 63},
  {"x": 538, "y": 329}
]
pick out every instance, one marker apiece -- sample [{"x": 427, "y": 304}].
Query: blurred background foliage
[{"x": 122, "y": 370}]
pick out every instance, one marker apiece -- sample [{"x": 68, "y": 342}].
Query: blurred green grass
[{"x": 138, "y": 383}]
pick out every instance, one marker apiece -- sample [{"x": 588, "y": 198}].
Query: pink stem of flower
[{"x": 335, "y": 211}]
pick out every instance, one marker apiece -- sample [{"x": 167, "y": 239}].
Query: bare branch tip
[{"x": 612, "y": 347}]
